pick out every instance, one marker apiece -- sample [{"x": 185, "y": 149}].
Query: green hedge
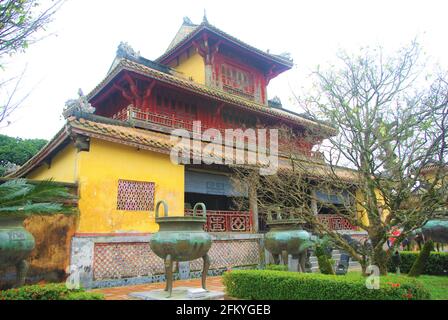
[
  {"x": 48, "y": 292},
  {"x": 281, "y": 285},
  {"x": 437, "y": 263},
  {"x": 277, "y": 267}
]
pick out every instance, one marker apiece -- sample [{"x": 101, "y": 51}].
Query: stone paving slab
[
  {"x": 179, "y": 293},
  {"x": 122, "y": 293}
]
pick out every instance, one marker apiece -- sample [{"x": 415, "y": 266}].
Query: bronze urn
[
  {"x": 181, "y": 238},
  {"x": 285, "y": 237}
]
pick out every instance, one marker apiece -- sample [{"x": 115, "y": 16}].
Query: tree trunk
[
  {"x": 363, "y": 264},
  {"x": 379, "y": 259}
]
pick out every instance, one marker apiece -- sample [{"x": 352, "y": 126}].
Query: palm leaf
[{"x": 20, "y": 197}]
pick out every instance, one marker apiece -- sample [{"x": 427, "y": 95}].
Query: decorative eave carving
[{"x": 81, "y": 105}]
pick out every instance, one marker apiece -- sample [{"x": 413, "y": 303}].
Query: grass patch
[{"x": 436, "y": 285}]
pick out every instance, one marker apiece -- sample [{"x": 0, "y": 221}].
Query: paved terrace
[{"x": 121, "y": 293}]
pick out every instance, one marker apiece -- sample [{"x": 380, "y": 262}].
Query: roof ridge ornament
[
  {"x": 187, "y": 21},
  {"x": 124, "y": 50},
  {"x": 80, "y": 105}
]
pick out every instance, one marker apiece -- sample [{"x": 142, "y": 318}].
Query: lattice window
[{"x": 135, "y": 195}]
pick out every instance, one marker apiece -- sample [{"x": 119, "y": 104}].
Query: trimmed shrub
[
  {"x": 437, "y": 263},
  {"x": 281, "y": 285},
  {"x": 419, "y": 264},
  {"x": 324, "y": 260},
  {"x": 51, "y": 291},
  {"x": 277, "y": 267}
]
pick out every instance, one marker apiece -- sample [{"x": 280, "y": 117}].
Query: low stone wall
[{"x": 114, "y": 260}]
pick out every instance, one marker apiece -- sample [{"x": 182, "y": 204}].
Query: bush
[
  {"x": 324, "y": 260},
  {"x": 420, "y": 263},
  {"x": 277, "y": 267},
  {"x": 281, "y": 285},
  {"x": 48, "y": 292},
  {"x": 437, "y": 263}
]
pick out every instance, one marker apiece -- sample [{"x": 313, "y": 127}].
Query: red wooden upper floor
[
  {"x": 228, "y": 89},
  {"x": 226, "y": 62}
]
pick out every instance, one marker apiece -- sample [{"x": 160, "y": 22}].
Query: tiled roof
[
  {"x": 183, "y": 32},
  {"x": 213, "y": 29},
  {"x": 121, "y": 134},
  {"x": 149, "y": 140},
  {"x": 214, "y": 93}
]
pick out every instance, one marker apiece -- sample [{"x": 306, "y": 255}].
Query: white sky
[{"x": 89, "y": 31}]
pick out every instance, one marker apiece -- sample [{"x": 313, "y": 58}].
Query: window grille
[{"x": 135, "y": 195}]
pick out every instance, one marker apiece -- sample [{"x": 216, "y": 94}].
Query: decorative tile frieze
[
  {"x": 229, "y": 254},
  {"x": 123, "y": 260}
]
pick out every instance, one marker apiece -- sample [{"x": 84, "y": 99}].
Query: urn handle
[
  {"x": 202, "y": 205},
  {"x": 165, "y": 208}
]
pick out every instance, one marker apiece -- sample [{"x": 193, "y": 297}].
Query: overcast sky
[{"x": 89, "y": 31}]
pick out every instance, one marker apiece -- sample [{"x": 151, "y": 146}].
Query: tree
[
  {"x": 17, "y": 151},
  {"x": 389, "y": 131},
  {"x": 20, "y": 20},
  {"x": 20, "y": 23}
]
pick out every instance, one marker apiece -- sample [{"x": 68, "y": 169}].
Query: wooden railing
[
  {"x": 335, "y": 222},
  {"x": 174, "y": 121},
  {"x": 226, "y": 221}
]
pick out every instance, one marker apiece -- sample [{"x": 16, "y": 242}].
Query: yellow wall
[
  {"x": 62, "y": 168},
  {"x": 192, "y": 66},
  {"x": 99, "y": 172},
  {"x": 362, "y": 211}
]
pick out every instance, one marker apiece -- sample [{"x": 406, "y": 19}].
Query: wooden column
[
  {"x": 314, "y": 202},
  {"x": 253, "y": 205}
]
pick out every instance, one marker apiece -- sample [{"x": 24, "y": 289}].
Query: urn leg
[
  {"x": 276, "y": 258},
  {"x": 169, "y": 274},
  {"x": 206, "y": 259},
  {"x": 21, "y": 271},
  {"x": 301, "y": 266},
  {"x": 285, "y": 257}
]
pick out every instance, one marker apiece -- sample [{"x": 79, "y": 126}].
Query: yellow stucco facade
[
  {"x": 62, "y": 167},
  {"x": 97, "y": 173},
  {"x": 192, "y": 66},
  {"x": 362, "y": 213}
]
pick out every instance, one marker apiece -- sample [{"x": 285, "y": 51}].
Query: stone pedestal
[
  {"x": 179, "y": 293},
  {"x": 292, "y": 263},
  {"x": 184, "y": 270}
]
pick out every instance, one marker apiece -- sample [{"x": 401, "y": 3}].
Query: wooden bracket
[
  {"x": 82, "y": 143},
  {"x": 124, "y": 93}
]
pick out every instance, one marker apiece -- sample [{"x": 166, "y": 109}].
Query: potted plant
[{"x": 20, "y": 198}]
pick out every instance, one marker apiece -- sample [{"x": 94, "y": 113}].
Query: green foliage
[
  {"x": 281, "y": 285},
  {"x": 17, "y": 151},
  {"x": 436, "y": 285},
  {"x": 324, "y": 259},
  {"x": 20, "y": 20},
  {"x": 48, "y": 292},
  {"x": 21, "y": 198},
  {"x": 277, "y": 267},
  {"x": 437, "y": 263},
  {"x": 420, "y": 263}
]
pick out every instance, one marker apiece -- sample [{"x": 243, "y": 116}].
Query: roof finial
[{"x": 204, "y": 19}]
